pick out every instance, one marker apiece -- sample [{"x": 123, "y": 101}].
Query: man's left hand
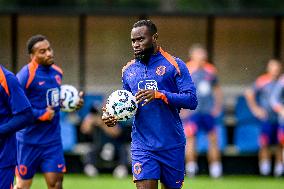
[
  {"x": 145, "y": 95},
  {"x": 81, "y": 101}
]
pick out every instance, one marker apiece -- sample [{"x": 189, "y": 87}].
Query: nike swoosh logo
[{"x": 41, "y": 82}]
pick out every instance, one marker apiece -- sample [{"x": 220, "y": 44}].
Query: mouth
[
  {"x": 137, "y": 52},
  {"x": 50, "y": 60}
]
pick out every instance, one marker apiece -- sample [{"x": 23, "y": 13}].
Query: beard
[{"x": 145, "y": 55}]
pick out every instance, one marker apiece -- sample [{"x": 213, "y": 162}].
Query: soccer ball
[
  {"x": 69, "y": 98},
  {"x": 121, "y": 104}
]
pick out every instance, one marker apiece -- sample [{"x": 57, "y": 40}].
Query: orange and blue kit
[
  {"x": 158, "y": 139},
  {"x": 13, "y": 103},
  {"x": 39, "y": 145}
]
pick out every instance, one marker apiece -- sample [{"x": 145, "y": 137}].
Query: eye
[{"x": 42, "y": 51}]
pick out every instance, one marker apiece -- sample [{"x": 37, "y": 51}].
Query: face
[
  {"x": 274, "y": 68},
  {"x": 43, "y": 53},
  {"x": 142, "y": 41},
  {"x": 198, "y": 55}
]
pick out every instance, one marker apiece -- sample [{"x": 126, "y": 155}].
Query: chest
[
  {"x": 45, "y": 89},
  {"x": 43, "y": 81},
  {"x": 155, "y": 77},
  {"x": 201, "y": 76},
  {"x": 266, "y": 90}
]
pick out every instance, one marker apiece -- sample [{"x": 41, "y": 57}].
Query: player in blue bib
[
  {"x": 15, "y": 114},
  {"x": 162, "y": 85}
]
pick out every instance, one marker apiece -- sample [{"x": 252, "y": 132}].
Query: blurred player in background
[
  {"x": 162, "y": 85},
  {"x": 15, "y": 114},
  {"x": 108, "y": 143},
  {"x": 40, "y": 146},
  {"x": 210, "y": 104},
  {"x": 258, "y": 99},
  {"x": 276, "y": 100}
]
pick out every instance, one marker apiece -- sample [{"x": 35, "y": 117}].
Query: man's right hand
[
  {"x": 260, "y": 113},
  {"x": 50, "y": 113},
  {"x": 109, "y": 120}
]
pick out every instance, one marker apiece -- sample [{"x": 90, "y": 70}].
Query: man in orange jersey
[{"x": 210, "y": 98}]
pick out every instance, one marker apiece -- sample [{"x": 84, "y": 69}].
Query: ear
[
  {"x": 31, "y": 56},
  {"x": 155, "y": 37}
]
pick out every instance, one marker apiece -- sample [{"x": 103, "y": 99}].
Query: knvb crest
[
  {"x": 161, "y": 70},
  {"x": 148, "y": 84}
]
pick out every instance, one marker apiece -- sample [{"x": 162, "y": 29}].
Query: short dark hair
[
  {"x": 148, "y": 23},
  {"x": 33, "y": 40}
]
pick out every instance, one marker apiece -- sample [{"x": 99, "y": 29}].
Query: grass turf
[{"x": 75, "y": 181}]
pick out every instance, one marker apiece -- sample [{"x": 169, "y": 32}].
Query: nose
[
  {"x": 49, "y": 53},
  {"x": 136, "y": 44}
]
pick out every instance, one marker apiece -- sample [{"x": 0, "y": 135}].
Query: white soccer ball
[
  {"x": 121, "y": 104},
  {"x": 69, "y": 98}
]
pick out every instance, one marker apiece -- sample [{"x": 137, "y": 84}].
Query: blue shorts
[
  {"x": 48, "y": 158},
  {"x": 199, "y": 121},
  {"x": 268, "y": 135},
  {"x": 166, "y": 166},
  {"x": 7, "y": 177}
]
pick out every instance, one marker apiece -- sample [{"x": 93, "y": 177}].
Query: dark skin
[
  {"x": 42, "y": 53},
  {"x": 142, "y": 39}
]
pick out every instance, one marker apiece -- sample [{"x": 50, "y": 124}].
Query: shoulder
[
  {"x": 262, "y": 80},
  {"x": 57, "y": 69},
  {"x": 176, "y": 62},
  {"x": 281, "y": 79},
  {"x": 6, "y": 75},
  {"x": 7, "y": 80},
  {"x": 25, "y": 70},
  {"x": 210, "y": 68},
  {"x": 131, "y": 62}
]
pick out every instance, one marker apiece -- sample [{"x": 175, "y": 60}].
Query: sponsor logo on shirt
[
  {"x": 52, "y": 97},
  {"x": 148, "y": 84}
]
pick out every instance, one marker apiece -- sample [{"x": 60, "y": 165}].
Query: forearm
[
  {"x": 18, "y": 122},
  {"x": 186, "y": 100},
  {"x": 218, "y": 96},
  {"x": 251, "y": 101}
]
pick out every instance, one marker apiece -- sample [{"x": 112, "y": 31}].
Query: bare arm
[
  {"x": 258, "y": 111},
  {"x": 218, "y": 96}
]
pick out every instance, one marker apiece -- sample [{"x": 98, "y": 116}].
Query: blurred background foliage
[{"x": 199, "y": 6}]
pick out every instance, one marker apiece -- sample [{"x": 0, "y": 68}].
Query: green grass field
[{"x": 75, "y": 181}]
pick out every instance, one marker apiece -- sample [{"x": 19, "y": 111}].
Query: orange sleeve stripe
[
  {"x": 32, "y": 70},
  {"x": 170, "y": 59},
  {"x": 44, "y": 117},
  {"x": 127, "y": 65},
  {"x": 3, "y": 82},
  {"x": 161, "y": 96},
  {"x": 57, "y": 68}
]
